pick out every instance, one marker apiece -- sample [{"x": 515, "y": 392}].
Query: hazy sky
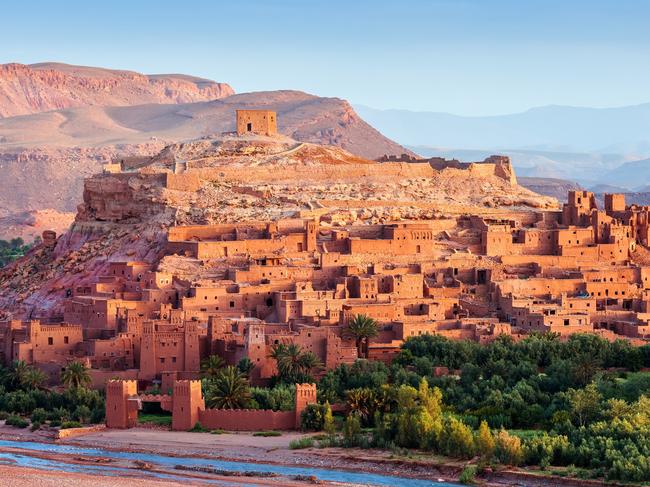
[{"x": 472, "y": 57}]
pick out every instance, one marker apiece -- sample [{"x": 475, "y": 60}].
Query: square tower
[{"x": 260, "y": 122}]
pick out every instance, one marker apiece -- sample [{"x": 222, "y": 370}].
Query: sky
[{"x": 467, "y": 57}]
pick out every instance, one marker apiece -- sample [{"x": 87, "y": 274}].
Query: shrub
[
  {"x": 35, "y": 425},
  {"x": 198, "y": 428},
  {"x": 313, "y": 417},
  {"x": 70, "y": 424},
  {"x": 55, "y": 422},
  {"x": 468, "y": 475},
  {"x": 352, "y": 430},
  {"x": 267, "y": 433},
  {"x": 39, "y": 415},
  {"x": 217, "y": 432},
  {"x": 508, "y": 448},
  {"x": 3, "y": 415},
  {"x": 17, "y": 421},
  {"x": 304, "y": 442}
]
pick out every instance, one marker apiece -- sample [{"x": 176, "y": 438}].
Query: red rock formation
[{"x": 26, "y": 89}]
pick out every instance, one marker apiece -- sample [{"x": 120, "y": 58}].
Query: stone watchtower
[
  {"x": 305, "y": 395},
  {"x": 121, "y": 404},
  {"x": 260, "y": 122},
  {"x": 187, "y": 400}
]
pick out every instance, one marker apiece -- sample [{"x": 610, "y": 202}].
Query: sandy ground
[{"x": 28, "y": 477}]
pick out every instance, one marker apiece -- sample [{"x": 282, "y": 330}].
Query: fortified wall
[{"x": 187, "y": 406}]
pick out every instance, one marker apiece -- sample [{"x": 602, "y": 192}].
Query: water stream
[{"x": 169, "y": 462}]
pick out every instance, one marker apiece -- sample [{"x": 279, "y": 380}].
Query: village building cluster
[
  {"x": 293, "y": 281},
  {"x": 301, "y": 280}
]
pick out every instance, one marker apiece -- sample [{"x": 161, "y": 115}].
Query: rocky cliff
[{"x": 27, "y": 89}]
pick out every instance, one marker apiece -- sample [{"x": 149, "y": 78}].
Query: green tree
[
  {"x": 75, "y": 375},
  {"x": 33, "y": 378},
  {"x": 585, "y": 403},
  {"x": 362, "y": 328},
  {"x": 229, "y": 389},
  {"x": 508, "y": 448},
  {"x": 211, "y": 366},
  {"x": 484, "y": 440},
  {"x": 328, "y": 421},
  {"x": 245, "y": 366},
  {"x": 294, "y": 364}
]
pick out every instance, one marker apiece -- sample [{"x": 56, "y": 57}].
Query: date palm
[
  {"x": 362, "y": 328},
  {"x": 33, "y": 378},
  {"x": 75, "y": 375},
  {"x": 228, "y": 389},
  {"x": 211, "y": 366},
  {"x": 293, "y": 363}
]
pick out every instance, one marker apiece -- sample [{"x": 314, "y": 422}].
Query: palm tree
[
  {"x": 293, "y": 364},
  {"x": 362, "y": 328},
  {"x": 18, "y": 371},
  {"x": 33, "y": 378},
  {"x": 211, "y": 366},
  {"x": 229, "y": 389},
  {"x": 245, "y": 366},
  {"x": 75, "y": 375}
]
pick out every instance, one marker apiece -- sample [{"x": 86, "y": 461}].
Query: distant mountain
[
  {"x": 633, "y": 174},
  {"x": 27, "y": 89},
  {"x": 551, "y": 128},
  {"x": 586, "y": 168},
  {"x": 557, "y": 188}
]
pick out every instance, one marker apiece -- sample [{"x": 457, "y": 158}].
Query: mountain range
[{"x": 587, "y": 145}]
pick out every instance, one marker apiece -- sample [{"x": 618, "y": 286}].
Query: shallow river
[{"x": 170, "y": 462}]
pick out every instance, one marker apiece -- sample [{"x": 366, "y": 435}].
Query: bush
[
  {"x": 198, "y": 428},
  {"x": 70, "y": 424},
  {"x": 352, "y": 430},
  {"x": 55, "y": 422},
  {"x": 267, "y": 433},
  {"x": 508, "y": 448},
  {"x": 313, "y": 417},
  {"x": 39, "y": 415},
  {"x": 17, "y": 421},
  {"x": 304, "y": 442},
  {"x": 3, "y": 415},
  {"x": 35, "y": 425},
  {"x": 217, "y": 432},
  {"x": 468, "y": 475}
]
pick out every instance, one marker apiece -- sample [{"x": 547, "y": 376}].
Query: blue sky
[{"x": 468, "y": 57}]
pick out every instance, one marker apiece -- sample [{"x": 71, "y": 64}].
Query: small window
[
  {"x": 50, "y": 341},
  {"x": 66, "y": 340}
]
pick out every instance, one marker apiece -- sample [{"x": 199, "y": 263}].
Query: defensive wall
[{"x": 188, "y": 408}]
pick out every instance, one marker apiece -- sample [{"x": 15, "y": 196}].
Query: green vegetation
[
  {"x": 23, "y": 394},
  {"x": 267, "y": 433},
  {"x": 156, "y": 419},
  {"x": 294, "y": 364},
  {"x": 70, "y": 424},
  {"x": 468, "y": 475},
  {"x": 579, "y": 406},
  {"x": 75, "y": 375},
  {"x": 14, "y": 249},
  {"x": 362, "y": 328},
  {"x": 198, "y": 428},
  {"x": 304, "y": 442},
  {"x": 228, "y": 389}
]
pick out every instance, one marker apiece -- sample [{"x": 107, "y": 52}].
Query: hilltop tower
[{"x": 260, "y": 122}]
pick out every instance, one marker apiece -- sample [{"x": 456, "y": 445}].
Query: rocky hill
[
  {"x": 96, "y": 115},
  {"x": 126, "y": 215},
  {"x": 27, "y": 89}
]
